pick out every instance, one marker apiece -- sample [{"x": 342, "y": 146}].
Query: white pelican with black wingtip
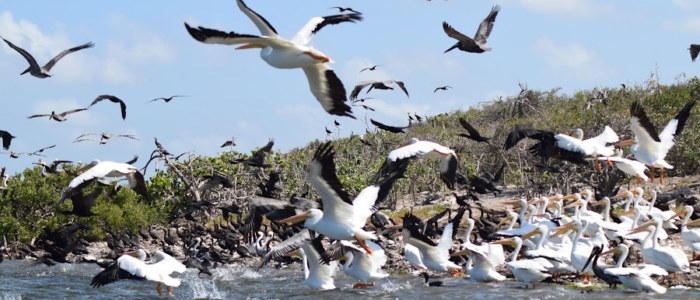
[
  {"x": 416, "y": 148},
  {"x": 343, "y": 218},
  {"x": 290, "y": 54},
  {"x": 132, "y": 265}
]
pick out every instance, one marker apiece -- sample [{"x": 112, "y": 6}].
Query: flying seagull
[
  {"x": 478, "y": 44},
  {"x": 376, "y": 84},
  {"x": 444, "y": 88},
  {"x": 60, "y": 117},
  {"x": 344, "y": 9},
  {"x": 6, "y": 139},
  {"x": 43, "y": 72},
  {"x": 372, "y": 68},
  {"x": 167, "y": 99},
  {"x": 694, "y": 50},
  {"x": 113, "y": 99},
  {"x": 290, "y": 54}
]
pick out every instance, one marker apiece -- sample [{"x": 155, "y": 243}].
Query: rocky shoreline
[{"x": 212, "y": 243}]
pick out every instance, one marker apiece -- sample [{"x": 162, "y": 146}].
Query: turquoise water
[{"x": 27, "y": 280}]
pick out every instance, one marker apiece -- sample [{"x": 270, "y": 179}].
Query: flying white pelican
[
  {"x": 670, "y": 259},
  {"x": 343, "y": 218},
  {"x": 99, "y": 169},
  {"x": 417, "y": 148},
  {"x": 690, "y": 236},
  {"x": 650, "y": 147},
  {"x": 132, "y": 265},
  {"x": 628, "y": 166},
  {"x": 43, "y": 72},
  {"x": 317, "y": 275},
  {"x": 290, "y": 54},
  {"x": 357, "y": 263},
  {"x": 635, "y": 278},
  {"x": 434, "y": 256},
  {"x": 528, "y": 271},
  {"x": 413, "y": 256},
  {"x": 594, "y": 146}
]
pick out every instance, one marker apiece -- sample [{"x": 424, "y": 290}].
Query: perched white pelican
[
  {"x": 132, "y": 265},
  {"x": 635, "y": 278},
  {"x": 99, "y": 169},
  {"x": 417, "y": 148},
  {"x": 343, "y": 218},
  {"x": 525, "y": 226},
  {"x": 317, "y": 275},
  {"x": 481, "y": 268},
  {"x": 648, "y": 146},
  {"x": 579, "y": 251},
  {"x": 528, "y": 271},
  {"x": 290, "y": 54},
  {"x": 434, "y": 256},
  {"x": 357, "y": 263},
  {"x": 494, "y": 252},
  {"x": 670, "y": 259},
  {"x": 690, "y": 236}
]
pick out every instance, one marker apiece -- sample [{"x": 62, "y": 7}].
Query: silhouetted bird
[{"x": 478, "y": 44}]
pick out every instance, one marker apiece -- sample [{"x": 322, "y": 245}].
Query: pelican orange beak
[
  {"x": 569, "y": 197},
  {"x": 251, "y": 46},
  {"x": 460, "y": 253},
  {"x": 598, "y": 203},
  {"x": 613, "y": 250},
  {"x": 295, "y": 219},
  {"x": 530, "y": 234},
  {"x": 625, "y": 143},
  {"x": 693, "y": 223},
  {"x": 509, "y": 241},
  {"x": 679, "y": 213},
  {"x": 294, "y": 253},
  {"x": 573, "y": 204},
  {"x": 641, "y": 228},
  {"x": 512, "y": 202},
  {"x": 556, "y": 198},
  {"x": 503, "y": 221},
  {"x": 564, "y": 229}
]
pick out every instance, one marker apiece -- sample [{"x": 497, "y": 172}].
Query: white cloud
[
  {"x": 687, "y": 4},
  {"x": 579, "y": 8},
  {"x": 688, "y": 25},
  {"x": 572, "y": 58}
]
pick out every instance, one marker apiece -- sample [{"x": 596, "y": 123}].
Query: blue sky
[{"x": 142, "y": 51}]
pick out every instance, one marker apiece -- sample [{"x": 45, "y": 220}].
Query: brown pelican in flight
[
  {"x": 478, "y": 44},
  {"x": 377, "y": 84},
  {"x": 694, "y": 51},
  {"x": 103, "y": 137},
  {"x": 60, "y": 117},
  {"x": 167, "y": 99},
  {"x": 6, "y": 139},
  {"x": 344, "y": 9},
  {"x": 289, "y": 54},
  {"x": 113, "y": 99},
  {"x": 43, "y": 72}
]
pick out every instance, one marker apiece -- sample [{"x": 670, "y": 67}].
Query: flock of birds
[{"x": 334, "y": 233}]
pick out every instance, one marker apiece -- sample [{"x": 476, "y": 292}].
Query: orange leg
[
  {"x": 159, "y": 289},
  {"x": 639, "y": 181},
  {"x": 456, "y": 272},
  {"x": 169, "y": 290},
  {"x": 363, "y": 245},
  {"x": 610, "y": 164},
  {"x": 651, "y": 174},
  {"x": 597, "y": 165},
  {"x": 661, "y": 175}
]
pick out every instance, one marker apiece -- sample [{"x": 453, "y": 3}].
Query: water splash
[
  {"x": 202, "y": 288},
  {"x": 232, "y": 273},
  {"x": 390, "y": 287},
  {"x": 10, "y": 296}
]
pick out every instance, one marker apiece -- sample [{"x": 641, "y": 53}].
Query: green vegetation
[{"x": 27, "y": 206}]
